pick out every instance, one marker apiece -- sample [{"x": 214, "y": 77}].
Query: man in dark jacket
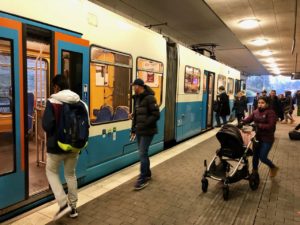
[
  {"x": 240, "y": 106},
  {"x": 223, "y": 109},
  {"x": 144, "y": 118},
  {"x": 274, "y": 103},
  {"x": 55, "y": 155}
]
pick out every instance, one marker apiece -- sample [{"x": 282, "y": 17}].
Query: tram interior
[{"x": 38, "y": 61}]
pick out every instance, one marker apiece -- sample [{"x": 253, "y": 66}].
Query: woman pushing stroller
[{"x": 265, "y": 121}]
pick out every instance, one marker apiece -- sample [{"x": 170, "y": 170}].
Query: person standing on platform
[
  {"x": 240, "y": 106},
  {"x": 55, "y": 154},
  {"x": 265, "y": 121},
  {"x": 274, "y": 103},
  {"x": 297, "y": 95},
  {"x": 223, "y": 108},
  {"x": 145, "y": 115},
  {"x": 255, "y": 101},
  {"x": 288, "y": 107}
]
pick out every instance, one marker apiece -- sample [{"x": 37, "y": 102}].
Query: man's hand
[{"x": 132, "y": 136}]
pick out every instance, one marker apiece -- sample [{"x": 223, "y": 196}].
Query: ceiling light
[
  {"x": 259, "y": 42},
  {"x": 265, "y": 53},
  {"x": 273, "y": 65},
  {"x": 249, "y": 23},
  {"x": 270, "y": 60}
]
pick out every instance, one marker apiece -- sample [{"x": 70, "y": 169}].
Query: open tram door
[
  {"x": 208, "y": 99},
  {"x": 72, "y": 61},
  {"x": 12, "y": 157}
]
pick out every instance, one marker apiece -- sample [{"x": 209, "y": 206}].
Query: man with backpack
[
  {"x": 144, "y": 118},
  {"x": 66, "y": 123}
]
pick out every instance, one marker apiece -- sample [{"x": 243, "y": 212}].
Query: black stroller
[{"x": 232, "y": 150}]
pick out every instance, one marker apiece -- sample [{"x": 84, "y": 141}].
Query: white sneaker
[{"x": 62, "y": 211}]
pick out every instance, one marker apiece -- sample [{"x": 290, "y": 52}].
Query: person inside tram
[
  {"x": 265, "y": 122},
  {"x": 223, "y": 109}
]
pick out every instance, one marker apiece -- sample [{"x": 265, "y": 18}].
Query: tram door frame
[
  {"x": 208, "y": 99},
  {"x": 74, "y": 45},
  {"x": 12, "y": 185}
]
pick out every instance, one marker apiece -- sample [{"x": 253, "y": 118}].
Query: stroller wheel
[
  {"x": 225, "y": 192},
  {"x": 204, "y": 182},
  {"x": 254, "y": 181}
]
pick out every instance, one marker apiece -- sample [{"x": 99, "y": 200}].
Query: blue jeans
[
  {"x": 143, "y": 146},
  {"x": 261, "y": 153},
  {"x": 224, "y": 118}
]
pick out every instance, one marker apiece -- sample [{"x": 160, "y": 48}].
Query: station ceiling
[{"x": 217, "y": 21}]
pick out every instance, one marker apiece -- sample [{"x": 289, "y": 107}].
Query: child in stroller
[{"x": 233, "y": 150}]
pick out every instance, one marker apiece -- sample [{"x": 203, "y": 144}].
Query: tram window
[
  {"x": 7, "y": 147},
  {"x": 192, "y": 79},
  {"x": 221, "y": 81},
  {"x": 72, "y": 70},
  {"x": 151, "y": 72},
  {"x": 110, "y": 91},
  {"x": 230, "y": 86}
]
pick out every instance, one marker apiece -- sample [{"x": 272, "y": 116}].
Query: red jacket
[{"x": 265, "y": 122}]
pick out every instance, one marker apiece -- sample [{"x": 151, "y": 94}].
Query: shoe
[
  {"x": 273, "y": 171},
  {"x": 62, "y": 211},
  {"x": 140, "y": 184},
  {"x": 148, "y": 178},
  {"x": 73, "y": 213}
]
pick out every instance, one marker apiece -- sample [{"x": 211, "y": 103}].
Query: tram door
[
  {"x": 12, "y": 158},
  {"x": 208, "y": 98},
  {"x": 72, "y": 61}
]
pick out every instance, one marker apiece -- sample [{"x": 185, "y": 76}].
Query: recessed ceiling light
[
  {"x": 273, "y": 65},
  {"x": 249, "y": 23},
  {"x": 259, "y": 42},
  {"x": 270, "y": 60},
  {"x": 265, "y": 53}
]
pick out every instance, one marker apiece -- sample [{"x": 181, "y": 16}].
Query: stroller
[{"x": 232, "y": 151}]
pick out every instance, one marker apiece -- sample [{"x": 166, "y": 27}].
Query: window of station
[
  {"x": 110, "y": 91},
  {"x": 7, "y": 148},
  {"x": 230, "y": 86},
  {"x": 151, "y": 72},
  {"x": 192, "y": 80},
  {"x": 221, "y": 81}
]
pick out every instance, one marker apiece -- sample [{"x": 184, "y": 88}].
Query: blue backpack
[{"x": 73, "y": 129}]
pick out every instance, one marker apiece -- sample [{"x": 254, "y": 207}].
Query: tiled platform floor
[{"x": 174, "y": 195}]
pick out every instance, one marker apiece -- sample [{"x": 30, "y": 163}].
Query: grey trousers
[{"x": 52, "y": 171}]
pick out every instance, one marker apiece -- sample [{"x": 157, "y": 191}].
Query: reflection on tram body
[{"x": 6, "y": 109}]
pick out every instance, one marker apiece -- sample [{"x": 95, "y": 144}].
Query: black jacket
[
  {"x": 255, "y": 102},
  {"x": 275, "y": 105},
  {"x": 145, "y": 114},
  {"x": 240, "y": 106},
  {"x": 223, "y": 104}
]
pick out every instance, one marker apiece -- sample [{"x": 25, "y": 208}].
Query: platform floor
[{"x": 174, "y": 195}]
